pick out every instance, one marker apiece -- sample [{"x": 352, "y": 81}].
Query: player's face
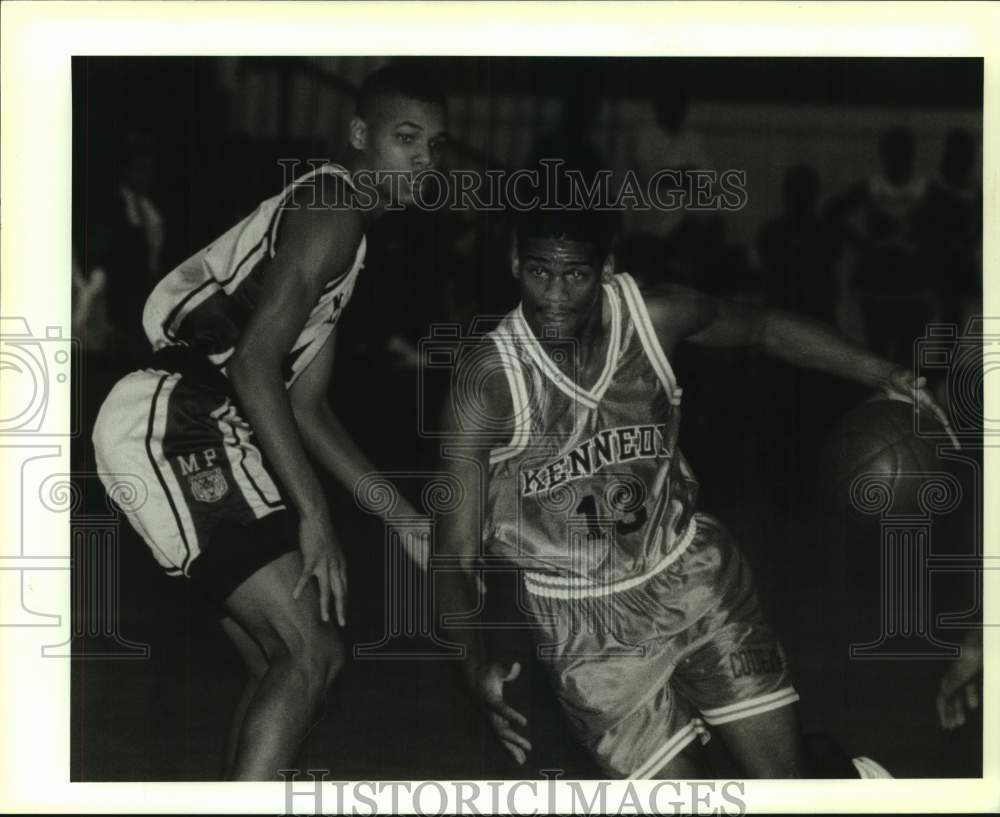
[
  {"x": 560, "y": 284},
  {"x": 404, "y": 137}
]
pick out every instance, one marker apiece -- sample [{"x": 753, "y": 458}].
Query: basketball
[{"x": 876, "y": 463}]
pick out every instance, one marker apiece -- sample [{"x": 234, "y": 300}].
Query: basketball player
[
  {"x": 229, "y": 425},
  {"x": 563, "y": 429}
]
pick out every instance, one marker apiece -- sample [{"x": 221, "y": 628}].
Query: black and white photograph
[{"x": 535, "y": 417}]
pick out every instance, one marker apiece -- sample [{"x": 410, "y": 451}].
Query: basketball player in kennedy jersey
[
  {"x": 563, "y": 429},
  {"x": 229, "y": 424}
]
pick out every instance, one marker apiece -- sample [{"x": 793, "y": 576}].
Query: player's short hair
[
  {"x": 585, "y": 226},
  {"x": 407, "y": 81}
]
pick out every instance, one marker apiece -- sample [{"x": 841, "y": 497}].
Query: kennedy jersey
[
  {"x": 591, "y": 488},
  {"x": 206, "y": 302}
]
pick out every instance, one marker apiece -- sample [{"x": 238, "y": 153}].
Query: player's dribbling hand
[
  {"x": 487, "y": 682},
  {"x": 902, "y": 384},
  {"x": 323, "y": 558}
]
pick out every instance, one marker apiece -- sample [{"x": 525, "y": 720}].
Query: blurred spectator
[
  {"x": 124, "y": 241},
  {"x": 671, "y": 145},
  {"x": 798, "y": 250},
  {"x": 570, "y": 141},
  {"x": 700, "y": 255},
  {"x": 645, "y": 257},
  {"x": 893, "y": 288},
  {"x": 949, "y": 230},
  {"x": 89, "y": 310}
]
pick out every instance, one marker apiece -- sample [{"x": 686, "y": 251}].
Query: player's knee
[
  {"x": 315, "y": 658},
  {"x": 334, "y": 662},
  {"x": 328, "y": 658},
  {"x": 256, "y": 667}
]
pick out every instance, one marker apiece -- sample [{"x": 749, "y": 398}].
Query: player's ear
[
  {"x": 515, "y": 262},
  {"x": 608, "y": 268},
  {"x": 358, "y": 133}
]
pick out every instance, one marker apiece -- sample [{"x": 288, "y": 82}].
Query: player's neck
[
  {"x": 353, "y": 164},
  {"x": 588, "y": 340}
]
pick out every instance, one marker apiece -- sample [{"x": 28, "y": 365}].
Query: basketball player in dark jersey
[
  {"x": 563, "y": 431},
  {"x": 224, "y": 424}
]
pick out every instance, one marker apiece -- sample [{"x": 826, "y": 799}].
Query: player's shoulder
[
  {"x": 480, "y": 400},
  {"x": 483, "y": 365},
  {"x": 324, "y": 232},
  {"x": 322, "y": 210}
]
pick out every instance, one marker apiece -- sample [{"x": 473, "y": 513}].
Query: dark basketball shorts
[
  {"x": 207, "y": 507},
  {"x": 642, "y": 667}
]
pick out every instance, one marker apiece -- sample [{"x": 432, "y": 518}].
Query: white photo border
[{"x": 38, "y": 41}]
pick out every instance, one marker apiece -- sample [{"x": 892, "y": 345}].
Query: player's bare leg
[
  {"x": 256, "y": 665},
  {"x": 767, "y": 746},
  {"x": 304, "y": 654}
]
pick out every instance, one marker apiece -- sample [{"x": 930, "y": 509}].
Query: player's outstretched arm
[
  {"x": 466, "y": 458},
  {"x": 328, "y": 441},
  {"x": 814, "y": 345},
  {"x": 315, "y": 246},
  {"x": 680, "y": 313}
]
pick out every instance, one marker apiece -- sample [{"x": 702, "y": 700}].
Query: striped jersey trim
[
  {"x": 519, "y": 403},
  {"x": 155, "y": 434},
  {"x": 574, "y": 587},
  {"x": 751, "y": 707},
  {"x": 614, "y": 350},
  {"x": 263, "y": 248},
  {"x": 673, "y": 747},
  {"x": 271, "y": 235},
  {"x": 258, "y": 493},
  {"x": 647, "y": 334}
]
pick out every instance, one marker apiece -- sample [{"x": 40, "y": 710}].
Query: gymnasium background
[{"x": 169, "y": 152}]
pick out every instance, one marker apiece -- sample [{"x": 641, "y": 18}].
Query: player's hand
[
  {"x": 901, "y": 383},
  {"x": 323, "y": 558},
  {"x": 958, "y": 694},
  {"x": 487, "y": 684}
]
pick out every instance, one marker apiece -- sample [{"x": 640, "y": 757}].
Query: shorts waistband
[
  {"x": 192, "y": 364},
  {"x": 562, "y": 586}
]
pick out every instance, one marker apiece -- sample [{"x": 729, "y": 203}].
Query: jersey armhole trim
[
  {"x": 272, "y": 231},
  {"x": 647, "y": 334},
  {"x": 519, "y": 404}
]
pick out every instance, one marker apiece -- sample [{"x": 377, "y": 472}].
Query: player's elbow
[
  {"x": 242, "y": 373},
  {"x": 247, "y": 366},
  {"x": 314, "y": 418},
  {"x": 765, "y": 331}
]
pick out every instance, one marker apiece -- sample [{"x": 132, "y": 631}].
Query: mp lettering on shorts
[{"x": 207, "y": 481}]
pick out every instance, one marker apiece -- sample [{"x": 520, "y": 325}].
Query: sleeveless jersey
[
  {"x": 206, "y": 301},
  {"x": 591, "y": 490}
]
